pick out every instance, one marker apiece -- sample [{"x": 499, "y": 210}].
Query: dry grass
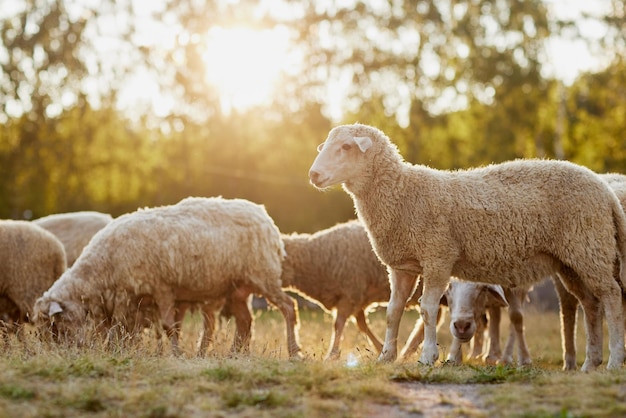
[{"x": 135, "y": 380}]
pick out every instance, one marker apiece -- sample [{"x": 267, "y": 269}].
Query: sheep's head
[
  {"x": 342, "y": 156},
  {"x": 62, "y": 320},
  {"x": 467, "y": 302}
]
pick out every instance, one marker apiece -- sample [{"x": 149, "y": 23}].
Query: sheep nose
[
  {"x": 462, "y": 326},
  {"x": 314, "y": 176}
]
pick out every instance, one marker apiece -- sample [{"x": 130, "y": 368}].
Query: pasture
[{"x": 133, "y": 379}]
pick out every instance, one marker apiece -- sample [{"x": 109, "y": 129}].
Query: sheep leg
[
  {"x": 167, "y": 310},
  {"x": 361, "y": 321},
  {"x": 592, "y": 310},
  {"x": 456, "y": 351},
  {"x": 568, "y": 305},
  {"x": 479, "y": 337},
  {"x": 208, "y": 328},
  {"x": 340, "y": 318},
  {"x": 417, "y": 336},
  {"x": 402, "y": 287},
  {"x": 289, "y": 309},
  {"x": 239, "y": 302},
  {"x": 494, "y": 353},
  {"x": 415, "y": 339},
  {"x": 434, "y": 287},
  {"x": 612, "y": 304},
  {"x": 516, "y": 316}
]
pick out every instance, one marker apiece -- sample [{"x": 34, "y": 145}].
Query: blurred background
[{"x": 111, "y": 105}]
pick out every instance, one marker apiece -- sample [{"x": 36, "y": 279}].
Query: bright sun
[{"x": 244, "y": 64}]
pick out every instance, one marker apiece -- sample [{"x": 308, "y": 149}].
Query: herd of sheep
[{"x": 472, "y": 240}]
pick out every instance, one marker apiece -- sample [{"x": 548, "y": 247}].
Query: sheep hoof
[
  {"x": 332, "y": 357},
  {"x": 569, "y": 365},
  {"x": 386, "y": 357},
  {"x": 526, "y": 362},
  {"x": 589, "y": 366}
]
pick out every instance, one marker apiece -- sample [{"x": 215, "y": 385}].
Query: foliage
[{"x": 454, "y": 83}]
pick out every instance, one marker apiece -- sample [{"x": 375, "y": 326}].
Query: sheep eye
[
  {"x": 320, "y": 146},
  {"x": 346, "y": 147}
]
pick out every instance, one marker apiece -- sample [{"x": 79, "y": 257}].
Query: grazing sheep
[
  {"x": 337, "y": 269},
  {"x": 31, "y": 259},
  {"x": 74, "y": 229},
  {"x": 508, "y": 224},
  {"x": 196, "y": 251},
  {"x": 568, "y": 303}
]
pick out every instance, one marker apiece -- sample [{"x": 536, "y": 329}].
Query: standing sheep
[
  {"x": 567, "y": 301},
  {"x": 337, "y": 269},
  {"x": 31, "y": 259},
  {"x": 508, "y": 224},
  {"x": 196, "y": 251},
  {"x": 74, "y": 229}
]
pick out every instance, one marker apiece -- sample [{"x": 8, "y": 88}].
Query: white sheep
[
  {"x": 31, "y": 259},
  {"x": 508, "y": 224},
  {"x": 74, "y": 229},
  {"x": 569, "y": 303},
  {"x": 469, "y": 301},
  {"x": 196, "y": 251},
  {"x": 337, "y": 269}
]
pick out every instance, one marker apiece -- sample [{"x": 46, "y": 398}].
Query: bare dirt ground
[{"x": 434, "y": 401}]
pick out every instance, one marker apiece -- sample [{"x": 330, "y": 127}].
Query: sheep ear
[
  {"x": 496, "y": 298},
  {"x": 55, "y": 308},
  {"x": 363, "y": 142}
]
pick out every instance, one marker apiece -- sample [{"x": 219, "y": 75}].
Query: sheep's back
[
  {"x": 31, "y": 259},
  {"x": 74, "y": 229},
  {"x": 336, "y": 263},
  {"x": 190, "y": 246},
  {"x": 513, "y": 220}
]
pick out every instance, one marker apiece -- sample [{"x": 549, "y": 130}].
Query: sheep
[
  {"x": 568, "y": 303},
  {"x": 31, "y": 259},
  {"x": 468, "y": 302},
  {"x": 508, "y": 224},
  {"x": 74, "y": 229},
  {"x": 199, "y": 250},
  {"x": 337, "y": 269}
]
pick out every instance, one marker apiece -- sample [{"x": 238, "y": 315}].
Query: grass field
[{"x": 134, "y": 380}]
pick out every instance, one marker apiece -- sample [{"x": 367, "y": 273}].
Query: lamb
[
  {"x": 199, "y": 250},
  {"x": 508, "y": 224},
  {"x": 337, "y": 269},
  {"x": 31, "y": 259},
  {"x": 74, "y": 229},
  {"x": 469, "y": 301}
]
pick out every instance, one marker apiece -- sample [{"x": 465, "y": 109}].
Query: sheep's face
[
  {"x": 62, "y": 320},
  {"x": 467, "y": 302},
  {"x": 340, "y": 158}
]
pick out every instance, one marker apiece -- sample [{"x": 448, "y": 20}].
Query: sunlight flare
[{"x": 245, "y": 64}]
